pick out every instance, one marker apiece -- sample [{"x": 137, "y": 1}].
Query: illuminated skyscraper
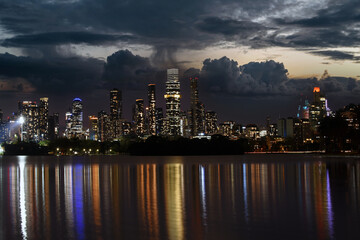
[
  {"x": 103, "y": 126},
  {"x": 152, "y": 109},
  {"x": 115, "y": 113},
  {"x": 93, "y": 128},
  {"x": 172, "y": 98},
  {"x": 159, "y": 120},
  {"x": 318, "y": 109},
  {"x": 76, "y": 129},
  {"x": 29, "y": 110},
  {"x": 211, "y": 123},
  {"x": 44, "y": 118},
  {"x": 68, "y": 124},
  {"x": 139, "y": 117}
]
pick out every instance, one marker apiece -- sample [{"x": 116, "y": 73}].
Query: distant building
[
  {"x": 318, "y": 109},
  {"x": 211, "y": 126},
  {"x": 197, "y": 111},
  {"x": 115, "y": 113},
  {"x": 53, "y": 125},
  {"x": 139, "y": 122},
  {"x": 93, "y": 128},
  {"x": 103, "y": 127},
  {"x": 159, "y": 120},
  {"x": 76, "y": 129},
  {"x": 44, "y": 118},
  {"x": 172, "y": 98},
  {"x": 152, "y": 109},
  {"x": 29, "y": 110}
]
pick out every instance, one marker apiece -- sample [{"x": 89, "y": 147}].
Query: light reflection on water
[{"x": 273, "y": 197}]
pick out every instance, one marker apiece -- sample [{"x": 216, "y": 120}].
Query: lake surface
[{"x": 204, "y": 197}]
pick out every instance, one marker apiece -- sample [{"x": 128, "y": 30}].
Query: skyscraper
[
  {"x": 172, "y": 98},
  {"x": 103, "y": 126},
  {"x": 152, "y": 109},
  {"x": 44, "y": 118},
  {"x": 93, "y": 128},
  {"x": 29, "y": 110},
  {"x": 76, "y": 129},
  {"x": 139, "y": 117},
  {"x": 211, "y": 123},
  {"x": 115, "y": 113}
]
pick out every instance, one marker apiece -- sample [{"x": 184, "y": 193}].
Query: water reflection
[{"x": 178, "y": 198}]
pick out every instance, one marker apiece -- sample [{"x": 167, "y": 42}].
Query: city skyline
[{"x": 256, "y": 54}]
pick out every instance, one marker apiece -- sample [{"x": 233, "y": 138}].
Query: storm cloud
[
  {"x": 266, "y": 79},
  {"x": 170, "y": 26}
]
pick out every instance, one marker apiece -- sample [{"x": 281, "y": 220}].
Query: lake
[{"x": 262, "y": 196}]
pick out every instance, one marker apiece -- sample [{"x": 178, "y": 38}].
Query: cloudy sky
[{"x": 254, "y": 57}]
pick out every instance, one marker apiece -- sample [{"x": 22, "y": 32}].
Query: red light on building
[{"x": 316, "y": 89}]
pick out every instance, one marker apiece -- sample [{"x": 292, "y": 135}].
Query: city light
[{"x": 21, "y": 120}]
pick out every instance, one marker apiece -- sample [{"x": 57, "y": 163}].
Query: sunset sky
[{"x": 254, "y": 57}]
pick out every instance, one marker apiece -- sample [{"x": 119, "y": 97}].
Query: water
[{"x": 207, "y": 197}]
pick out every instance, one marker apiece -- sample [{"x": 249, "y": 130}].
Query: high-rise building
[
  {"x": 211, "y": 123},
  {"x": 197, "y": 116},
  {"x": 115, "y": 113},
  {"x": 68, "y": 116},
  {"x": 139, "y": 117},
  {"x": 318, "y": 109},
  {"x": 44, "y": 118},
  {"x": 159, "y": 120},
  {"x": 152, "y": 109},
  {"x": 30, "y": 111},
  {"x": 76, "y": 129},
  {"x": 93, "y": 128},
  {"x": 53, "y": 131},
  {"x": 172, "y": 98},
  {"x": 103, "y": 126}
]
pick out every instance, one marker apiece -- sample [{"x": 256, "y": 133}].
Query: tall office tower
[
  {"x": 93, "y": 128},
  {"x": 115, "y": 113},
  {"x": 139, "y": 117},
  {"x": 44, "y": 118},
  {"x": 281, "y": 127},
  {"x": 197, "y": 109},
  {"x": 172, "y": 98},
  {"x": 68, "y": 117},
  {"x": 159, "y": 120},
  {"x": 211, "y": 123},
  {"x": 30, "y": 111},
  {"x": 57, "y": 124},
  {"x": 76, "y": 129},
  {"x": 318, "y": 109},
  {"x": 152, "y": 109},
  {"x": 103, "y": 126}
]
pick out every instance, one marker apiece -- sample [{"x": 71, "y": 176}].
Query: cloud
[
  {"x": 57, "y": 38},
  {"x": 267, "y": 79},
  {"x": 166, "y": 26},
  {"x": 58, "y": 75},
  {"x": 255, "y": 78},
  {"x": 125, "y": 70},
  {"x": 337, "y": 55}
]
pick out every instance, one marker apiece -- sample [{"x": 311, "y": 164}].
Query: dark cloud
[
  {"x": 253, "y": 79},
  {"x": 56, "y": 38},
  {"x": 230, "y": 27},
  {"x": 59, "y": 75},
  {"x": 336, "y": 55},
  {"x": 125, "y": 70},
  {"x": 270, "y": 78},
  {"x": 169, "y": 26}
]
